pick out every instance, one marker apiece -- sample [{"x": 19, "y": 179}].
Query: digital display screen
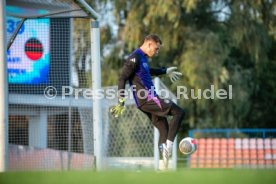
[{"x": 29, "y": 56}]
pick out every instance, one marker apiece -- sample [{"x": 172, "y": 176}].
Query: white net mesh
[
  {"x": 47, "y": 131},
  {"x": 130, "y": 135}
]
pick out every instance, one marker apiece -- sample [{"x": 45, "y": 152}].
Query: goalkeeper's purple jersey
[{"x": 138, "y": 73}]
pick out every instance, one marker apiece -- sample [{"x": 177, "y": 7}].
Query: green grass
[{"x": 185, "y": 176}]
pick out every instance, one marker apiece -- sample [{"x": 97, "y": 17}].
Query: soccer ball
[{"x": 188, "y": 146}]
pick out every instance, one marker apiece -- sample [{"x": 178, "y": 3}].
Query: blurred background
[
  {"x": 218, "y": 43},
  {"x": 213, "y": 42}
]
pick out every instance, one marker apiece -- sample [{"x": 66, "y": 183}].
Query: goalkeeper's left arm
[{"x": 170, "y": 71}]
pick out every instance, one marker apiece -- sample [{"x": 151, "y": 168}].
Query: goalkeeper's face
[{"x": 153, "y": 48}]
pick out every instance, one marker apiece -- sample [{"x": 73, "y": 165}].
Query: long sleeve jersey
[{"x": 139, "y": 75}]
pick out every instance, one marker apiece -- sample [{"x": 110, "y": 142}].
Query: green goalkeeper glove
[{"x": 118, "y": 109}]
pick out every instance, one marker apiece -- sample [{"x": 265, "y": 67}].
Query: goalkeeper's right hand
[{"x": 118, "y": 109}]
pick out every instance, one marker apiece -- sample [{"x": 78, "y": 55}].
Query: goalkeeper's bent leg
[
  {"x": 178, "y": 115},
  {"x": 162, "y": 125}
]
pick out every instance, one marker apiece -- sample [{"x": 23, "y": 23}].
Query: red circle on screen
[{"x": 33, "y": 49}]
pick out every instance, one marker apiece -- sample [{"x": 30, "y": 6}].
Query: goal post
[
  {"x": 97, "y": 103},
  {"x": 3, "y": 92}
]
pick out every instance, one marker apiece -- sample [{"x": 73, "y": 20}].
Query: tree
[{"x": 214, "y": 42}]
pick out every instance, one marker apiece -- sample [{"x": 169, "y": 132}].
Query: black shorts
[{"x": 158, "y": 107}]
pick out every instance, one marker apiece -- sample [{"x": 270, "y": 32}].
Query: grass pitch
[{"x": 185, "y": 176}]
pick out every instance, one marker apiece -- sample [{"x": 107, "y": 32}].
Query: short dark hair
[{"x": 153, "y": 37}]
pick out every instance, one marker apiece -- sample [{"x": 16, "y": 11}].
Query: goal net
[
  {"x": 48, "y": 58},
  {"x": 131, "y": 140},
  {"x": 51, "y": 104}
]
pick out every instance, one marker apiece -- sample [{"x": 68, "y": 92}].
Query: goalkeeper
[{"x": 138, "y": 73}]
